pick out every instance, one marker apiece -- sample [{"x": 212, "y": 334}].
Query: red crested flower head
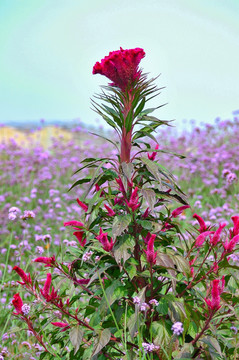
[
  {"x": 121, "y": 67},
  {"x": 17, "y": 303},
  {"x": 49, "y": 261}
]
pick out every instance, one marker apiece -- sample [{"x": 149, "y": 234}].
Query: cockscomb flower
[
  {"x": 120, "y": 183},
  {"x": 179, "y": 210},
  {"x": 235, "y": 230},
  {"x": 201, "y": 238},
  {"x": 49, "y": 261},
  {"x": 121, "y": 67},
  {"x": 46, "y": 290},
  {"x": 133, "y": 203},
  {"x": 214, "y": 303},
  {"x": 110, "y": 211},
  {"x": 62, "y": 325},
  {"x": 79, "y": 233},
  {"x": 146, "y": 238},
  {"x": 153, "y": 155},
  {"x": 203, "y": 226},
  {"x": 17, "y": 303},
  {"x": 103, "y": 239},
  {"x": 146, "y": 213},
  {"x": 150, "y": 253},
  {"x": 26, "y": 278},
  {"x": 216, "y": 237},
  {"x": 230, "y": 245},
  {"x": 82, "y": 205}
]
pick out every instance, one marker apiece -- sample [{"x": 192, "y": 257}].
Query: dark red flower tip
[
  {"x": 121, "y": 67},
  {"x": 17, "y": 303}
]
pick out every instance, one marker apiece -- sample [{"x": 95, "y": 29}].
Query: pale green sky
[{"x": 48, "y": 49}]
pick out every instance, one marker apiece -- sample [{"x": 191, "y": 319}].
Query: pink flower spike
[
  {"x": 216, "y": 237},
  {"x": 203, "y": 226},
  {"x": 103, "y": 239},
  {"x": 235, "y": 220},
  {"x": 133, "y": 201},
  {"x": 17, "y": 303},
  {"x": 82, "y": 205},
  {"x": 146, "y": 239},
  {"x": 49, "y": 261},
  {"x": 75, "y": 224},
  {"x": 153, "y": 155},
  {"x": 150, "y": 253},
  {"x": 121, "y": 67},
  {"x": 26, "y": 278},
  {"x": 60, "y": 324},
  {"x": 83, "y": 281},
  {"x": 146, "y": 213},
  {"x": 215, "y": 295},
  {"x": 121, "y": 186},
  {"x": 110, "y": 211},
  {"x": 230, "y": 245},
  {"x": 79, "y": 236},
  {"x": 201, "y": 238},
  {"x": 179, "y": 210},
  {"x": 47, "y": 285}
]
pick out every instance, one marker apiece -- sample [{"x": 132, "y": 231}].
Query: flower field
[{"x": 35, "y": 180}]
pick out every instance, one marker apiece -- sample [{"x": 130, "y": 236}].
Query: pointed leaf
[
  {"x": 120, "y": 223},
  {"x": 102, "y": 340},
  {"x": 76, "y": 336}
]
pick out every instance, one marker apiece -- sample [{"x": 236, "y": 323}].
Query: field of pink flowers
[{"x": 34, "y": 202}]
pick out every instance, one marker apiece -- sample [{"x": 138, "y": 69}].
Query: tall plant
[{"x": 136, "y": 287}]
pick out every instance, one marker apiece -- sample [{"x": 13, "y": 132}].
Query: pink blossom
[
  {"x": 153, "y": 155},
  {"x": 179, "y": 210},
  {"x": 146, "y": 213},
  {"x": 133, "y": 201},
  {"x": 17, "y": 303},
  {"x": 214, "y": 303},
  {"x": 60, "y": 324},
  {"x": 216, "y": 237},
  {"x": 46, "y": 290},
  {"x": 110, "y": 211},
  {"x": 103, "y": 239},
  {"x": 235, "y": 220},
  {"x": 230, "y": 245},
  {"x": 82, "y": 205},
  {"x": 26, "y": 278},
  {"x": 203, "y": 226},
  {"x": 201, "y": 238},
  {"x": 78, "y": 234},
  {"x": 49, "y": 261},
  {"x": 120, "y": 183},
  {"x": 150, "y": 253},
  {"x": 121, "y": 67}
]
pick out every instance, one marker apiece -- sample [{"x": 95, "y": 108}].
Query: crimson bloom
[
  {"x": 201, "y": 238},
  {"x": 179, "y": 210},
  {"x": 203, "y": 226},
  {"x": 103, "y": 239},
  {"x": 150, "y": 253},
  {"x": 110, "y": 211},
  {"x": 26, "y": 278},
  {"x": 46, "y": 290},
  {"x": 49, "y": 261},
  {"x": 82, "y": 205},
  {"x": 235, "y": 230},
  {"x": 153, "y": 155},
  {"x": 214, "y": 303},
  {"x": 121, "y": 67},
  {"x": 230, "y": 245},
  {"x": 78, "y": 234},
  {"x": 17, "y": 303},
  {"x": 216, "y": 237},
  {"x": 133, "y": 201}
]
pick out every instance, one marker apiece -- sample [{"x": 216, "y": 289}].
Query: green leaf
[
  {"x": 133, "y": 323},
  {"x": 213, "y": 345},
  {"x": 111, "y": 294},
  {"x": 132, "y": 271},
  {"x": 149, "y": 196},
  {"x": 127, "y": 169},
  {"x": 140, "y": 107},
  {"x": 146, "y": 224},
  {"x": 76, "y": 335},
  {"x": 101, "y": 341},
  {"x": 121, "y": 249},
  {"x": 160, "y": 333},
  {"x": 120, "y": 223}
]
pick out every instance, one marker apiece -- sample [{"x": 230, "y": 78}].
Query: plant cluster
[{"x": 135, "y": 287}]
